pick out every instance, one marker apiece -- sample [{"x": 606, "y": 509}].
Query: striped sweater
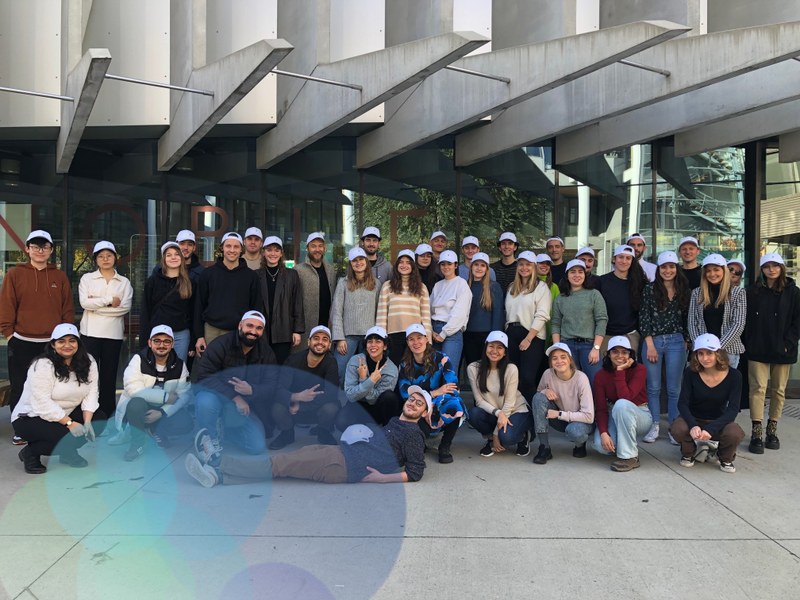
[{"x": 397, "y": 311}]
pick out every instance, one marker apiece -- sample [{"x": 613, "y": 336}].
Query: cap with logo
[
  {"x": 320, "y": 329},
  {"x": 555, "y": 238},
  {"x": 624, "y": 249},
  {"x": 378, "y": 331},
  {"x": 436, "y": 234},
  {"x": 232, "y": 235},
  {"x": 507, "y": 235},
  {"x": 315, "y": 235},
  {"x": 407, "y": 253},
  {"x": 527, "y": 255},
  {"x": 254, "y": 314},
  {"x": 558, "y": 346},
  {"x": 706, "y": 341},
  {"x": 575, "y": 262},
  {"x": 415, "y": 389},
  {"x": 586, "y": 250},
  {"x": 63, "y": 329},
  {"x": 637, "y": 236},
  {"x": 688, "y": 240},
  {"x": 356, "y": 433},
  {"x": 416, "y": 328},
  {"x": 423, "y": 249},
  {"x": 619, "y": 341},
  {"x": 272, "y": 240},
  {"x": 769, "y": 257},
  {"x": 356, "y": 252},
  {"x": 161, "y": 330},
  {"x": 38, "y": 233},
  {"x": 470, "y": 239},
  {"x": 497, "y": 336},
  {"x": 667, "y": 257},
  {"x": 253, "y": 231},
  {"x": 543, "y": 258},
  {"x": 185, "y": 235},
  {"x": 481, "y": 256},
  {"x": 448, "y": 256},
  {"x": 716, "y": 260},
  {"x": 100, "y": 246},
  {"x": 373, "y": 231},
  {"x": 167, "y": 245},
  {"x": 736, "y": 261}
]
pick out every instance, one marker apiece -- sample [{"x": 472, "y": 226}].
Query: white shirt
[
  {"x": 95, "y": 294},
  {"x": 46, "y": 397},
  {"x": 451, "y": 300},
  {"x": 649, "y": 269}
]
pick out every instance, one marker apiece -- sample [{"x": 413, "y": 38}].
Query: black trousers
[
  {"x": 43, "y": 437},
  {"x": 323, "y": 414},
  {"x": 527, "y": 362},
  {"x": 386, "y": 406},
  {"x": 397, "y": 347},
  {"x": 473, "y": 346},
  {"x": 20, "y": 356},
  {"x": 282, "y": 351},
  {"x": 448, "y": 431},
  {"x": 178, "y": 424},
  {"x": 106, "y": 354}
]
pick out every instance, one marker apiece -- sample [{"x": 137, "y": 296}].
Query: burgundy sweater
[{"x": 630, "y": 384}]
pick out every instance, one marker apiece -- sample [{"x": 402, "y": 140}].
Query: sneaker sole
[
  {"x": 686, "y": 465},
  {"x": 197, "y": 472},
  {"x": 523, "y": 454},
  {"x": 626, "y": 468},
  {"x": 18, "y": 442},
  {"x": 486, "y": 455},
  {"x": 197, "y": 437}
]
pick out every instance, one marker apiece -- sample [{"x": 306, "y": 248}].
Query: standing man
[
  {"x": 308, "y": 391},
  {"x": 236, "y": 378},
  {"x": 252, "y": 247},
  {"x": 370, "y": 242},
  {"x": 469, "y": 248},
  {"x": 689, "y": 250},
  {"x": 438, "y": 244},
  {"x": 588, "y": 257},
  {"x": 639, "y": 245},
  {"x": 554, "y": 246},
  {"x": 36, "y": 296},
  {"x": 317, "y": 280},
  {"x": 506, "y": 267},
  {"x": 225, "y": 291}
]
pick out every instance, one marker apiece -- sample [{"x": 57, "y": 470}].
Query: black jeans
[
  {"x": 43, "y": 436},
  {"x": 473, "y": 346},
  {"x": 20, "y": 356},
  {"x": 448, "y": 431},
  {"x": 323, "y": 414},
  {"x": 178, "y": 424},
  {"x": 527, "y": 362},
  {"x": 106, "y": 354},
  {"x": 386, "y": 406},
  {"x": 397, "y": 347}
]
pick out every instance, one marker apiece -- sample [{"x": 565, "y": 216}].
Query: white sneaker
[
  {"x": 652, "y": 435},
  {"x": 673, "y": 441},
  {"x": 121, "y": 437},
  {"x": 205, "y": 475}
]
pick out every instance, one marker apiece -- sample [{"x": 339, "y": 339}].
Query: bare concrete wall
[
  {"x": 734, "y": 14},
  {"x": 686, "y": 12}
]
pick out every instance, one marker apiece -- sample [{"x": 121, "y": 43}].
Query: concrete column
[
  {"x": 515, "y": 23},
  {"x": 584, "y": 198},
  {"x": 693, "y": 13},
  {"x": 410, "y": 20},
  {"x": 734, "y": 14}
]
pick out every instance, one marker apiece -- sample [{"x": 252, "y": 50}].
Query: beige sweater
[
  {"x": 397, "y": 311},
  {"x": 510, "y": 403}
]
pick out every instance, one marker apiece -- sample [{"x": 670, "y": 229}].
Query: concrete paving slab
[{"x": 19, "y": 569}]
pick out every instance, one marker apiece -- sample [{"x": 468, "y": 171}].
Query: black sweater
[
  {"x": 224, "y": 295},
  {"x": 719, "y": 404},
  {"x": 773, "y": 324},
  {"x": 163, "y": 305},
  {"x": 622, "y": 318}
]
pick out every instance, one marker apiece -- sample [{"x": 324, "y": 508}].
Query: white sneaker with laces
[
  {"x": 673, "y": 441},
  {"x": 205, "y": 475},
  {"x": 652, "y": 435},
  {"x": 207, "y": 449}
]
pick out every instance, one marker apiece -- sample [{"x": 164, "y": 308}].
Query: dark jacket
[
  {"x": 223, "y": 295},
  {"x": 296, "y": 376},
  {"x": 288, "y": 316},
  {"x": 147, "y": 366},
  {"x": 162, "y": 305},
  {"x": 224, "y": 359},
  {"x": 773, "y": 324}
]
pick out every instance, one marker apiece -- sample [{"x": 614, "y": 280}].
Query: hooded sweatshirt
[
  {"x": 224, "y": 295},
  {"x": 33, "y": 302}
]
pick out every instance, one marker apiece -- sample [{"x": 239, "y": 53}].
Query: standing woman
[
  {"x": 432, "y": 371},
  {"x": 500, "y": 413},
  {"x": 105, "y": 296},
  {"x": 718, "y": 307},
  {"x": 773, "y": 328},
  {"x": 622, "y": 291},
  {"x": 169, "y": 300},
  {"x": 528, "y": 304},
  {"x": 354, "y": 303},
  {"x": 450, "y": 304},
  {"x": 428, "y": 267},
  {"x": 283, "y": 300},
  {"x": 579, "y": 319},
  {"x": 58, "y": 402},
  {"x": 487, "y": 312},
  {"x": 662, "y": 323},
  {"x": 403, "y": 301}
]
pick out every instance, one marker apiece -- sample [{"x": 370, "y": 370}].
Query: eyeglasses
[
  {"x": 35, "y": 248},
  {"x": 736, "y": 273},
  {"x": 417, "y": 400},
  {"x": 161, "y": 342}
]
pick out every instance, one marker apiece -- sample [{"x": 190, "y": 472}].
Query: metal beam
[
  {"x": 83, "y": 84},
  {"x": 789, "y": 147},
  {"x": 693, "y": 62},
  {"x": 762, "y": 88},
  {"x": 230, "y": 78},
  {"x": 532, "y": 69}
]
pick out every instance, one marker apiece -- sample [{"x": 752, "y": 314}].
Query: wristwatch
[
  {"x": 596, "y": 347},
  {"x": 68, "y": 423}
]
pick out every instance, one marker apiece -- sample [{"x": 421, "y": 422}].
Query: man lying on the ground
[{"x": 364, "y": 454}]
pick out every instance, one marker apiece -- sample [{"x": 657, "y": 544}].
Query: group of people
[{"x": 544, "y": 343}]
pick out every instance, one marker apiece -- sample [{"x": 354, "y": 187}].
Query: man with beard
[
  {"x": 236, "y": 380},
  {"x": 252, "y": 247},
  {"x": 317, "y": 280},
  {"x": 392, "y": 454},
  {"x": 639, "y": 245},
  {"x": 308, "y": 388},
  {"x": 370, "y": 242}
]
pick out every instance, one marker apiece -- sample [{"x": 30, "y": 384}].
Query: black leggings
[
  {"x": 106, "y": 354},
  {"x": 386, "y": 406},
  {"x": 397, "y": 347},
  {"x": 20, "y": 356},
  {"x": 43, "y": 436},
  {"x": 527, "y": 362}
]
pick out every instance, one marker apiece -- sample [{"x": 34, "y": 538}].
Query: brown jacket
[{"x": 33, "y": 302}]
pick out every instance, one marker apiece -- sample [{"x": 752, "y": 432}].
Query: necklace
[{"x": 274, "y": 276}]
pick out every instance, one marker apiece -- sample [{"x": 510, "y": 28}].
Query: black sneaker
[
  {"x": 326, "y": 437},
  {"x": 543, "y": 455},
  {"x": 756, "y": 445},
  {"x": 283, "y": 439},
  {"x": 579, "y": 451},
  {"x": 74, "y": 460},
  {"x": 33, "y": 464},
  {"x": 444, "y": 454},
  {"x": 772, "y": 442},
  {"x": 523, "y": 448},
  {"x": 135, "y": 450},
  {"x": 487, "y": 450}
]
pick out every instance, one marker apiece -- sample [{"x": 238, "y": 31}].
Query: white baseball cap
[
  {"x": 737, "y": 261},
  {"x": 315, "y": 235},
  {"x": 637, "y": 236},
  {"x": 448, "y": 256},
  {"x": 371, "y": 231},
  {"x": 185, "y": 235},
  {"x": 436, "y": 234},
  {"x": 624, "y": 249},
  {"x": 64, "y": 329},
  {"x": 38, "y": 233},
  {"x": 480, "y": 256},
  {"x": 356, "y": 252},
  {"x": 100, "y": 246},
  {"x": 715, "y": 259},
  {"x": 423, "y": 249},
  {"x": 497, "y": 336},
  {"x": 377, "y": 330},
  {"x": 558, "y": 346},
  {"x": 543, "y": 258},
  {"x": 507, "y": 235},
  {"x": 555, "y": 238},
  {"x": 688, "y": 240},
  {"x": 162, "y": 329},
  {"x": 470, "y": 239},
  {"x": 254, "y": 314},
  {"x": 416, "y": 328},
  {"x": 232, "y": 235},
  {"x": 408, "y": 254},
  {"x": 771, "y": 257},
  {"x": 706, "y": 341},
  {"x": 527, "y": 255},
  {"x": 666, "y": 257},
  {"x": 576, "y": 262},
  {"x": 272, "y": 240},
  {"x": 619, "y": 341},
  {"x": 253, "y": 231},
  {"x": 356, "y": 433},
  {"x": 167, "y": 245},
  {"x": 320, "y": 329},
  {"x": 585, "y": 250},
  {"x": 415, "y": 389}
]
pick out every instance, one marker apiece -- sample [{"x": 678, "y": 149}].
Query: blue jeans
[
  {"x": 576, "y": 432},
  {"x": 626, "y": 422},
  {"x": 343, "y": 359},
  {"x": 247, "y": 432},
  {"x": 580, "y": 353},
  {"x": 452, "y": 346},
  {"x": 484, "y": 423},
  {"x": 671, "y": 349},
  {"x": 733, "y": 360},
  {"x": 181, "y": 345}
]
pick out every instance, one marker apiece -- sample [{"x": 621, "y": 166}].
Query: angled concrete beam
[
  {"x": 770, "y": 86},
  {"x": 693, "y": 63},
  {"x": 319, "y": 109},
  {"x": 230, "y": 78},
  {"x": 83, "y": 84},
  {"x": 758, "y": 124},
  {"x": 789, "y": 147},
  {"x": 532, "y": 69}
]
